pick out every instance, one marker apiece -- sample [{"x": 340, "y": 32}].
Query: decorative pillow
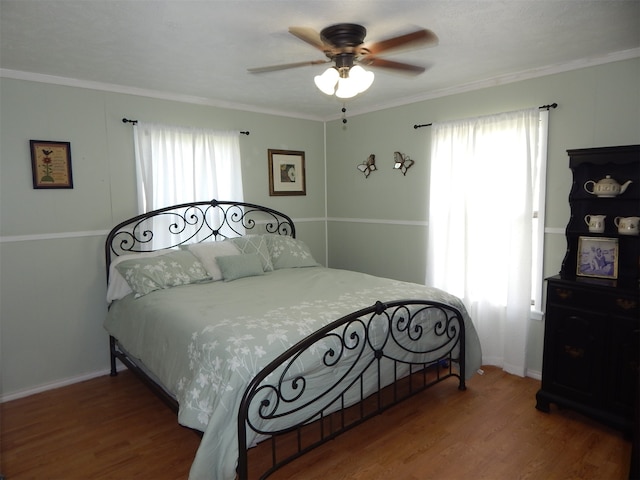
[
  {"x": 207, "y": 252},
  {"x": 118, "y": 287},
  {"x": 288, "y": 252},
  {"x": 255, "y": 244},
  {"x": 145, "y": 275},
  {"x": 238, "y": 266}
]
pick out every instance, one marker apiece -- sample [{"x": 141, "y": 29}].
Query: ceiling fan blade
[
  {"x": 310, "y": 36},
  {"x": 285, "y": 66},
  {"x": 422, "y": 37},
  {"x": 390, "y": 64}
]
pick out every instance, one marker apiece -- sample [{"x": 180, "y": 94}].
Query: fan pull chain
[{"x": 344, "y": 114}]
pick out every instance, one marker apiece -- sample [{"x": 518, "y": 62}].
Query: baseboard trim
[
  {"x": 535, "y": 374},
  {"x": 57, "y": 384}
]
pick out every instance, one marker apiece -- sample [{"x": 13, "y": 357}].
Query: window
[
  {"x": 486, "y": 224},
  {"x": 178, "y": 165},
  {"x": 539, "y": 194}
]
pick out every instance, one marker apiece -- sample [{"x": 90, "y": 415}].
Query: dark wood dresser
[
  {"x": 592, "y": 320},
  {"x": 590, "y": 357}
]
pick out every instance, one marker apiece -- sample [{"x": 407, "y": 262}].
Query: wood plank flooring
[{"x": 109, "y": 428}]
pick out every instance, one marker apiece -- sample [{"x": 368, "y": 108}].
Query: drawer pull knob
[
  {"x": 626, "y": 304},
  {"x": 563, "y": 294},
  {"x": 574, "y": 352}
]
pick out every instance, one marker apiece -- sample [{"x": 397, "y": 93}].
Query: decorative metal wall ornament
[
  {"x": 368, "y": 166},
  {"x": 402, "y": 162}
]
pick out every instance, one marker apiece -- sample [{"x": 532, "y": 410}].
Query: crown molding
[
  {"x": 503, "y": 80},
  {"x": 143, "y": 92},
  {"x": 486, "y": 83}
]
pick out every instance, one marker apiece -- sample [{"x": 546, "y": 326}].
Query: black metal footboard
[{"x": 368, "y": 361}]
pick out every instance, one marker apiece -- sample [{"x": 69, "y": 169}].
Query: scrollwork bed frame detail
[
  {"x": 280, "y": 401},
  {"x": 352, "y": 347},
  {"x": 177, "y": 225}
]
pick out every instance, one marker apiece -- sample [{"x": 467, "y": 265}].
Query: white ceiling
[{"x": 200, "y": 50}]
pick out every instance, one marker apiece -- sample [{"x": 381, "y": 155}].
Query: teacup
[
  {"x": 595, "y": 223},
  {"x": 627, "y": 225}
]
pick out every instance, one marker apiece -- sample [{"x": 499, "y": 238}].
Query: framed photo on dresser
[{"x": 597, "y": 257}]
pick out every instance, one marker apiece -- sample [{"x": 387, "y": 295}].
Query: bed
[{"x": 231, "y": 320}]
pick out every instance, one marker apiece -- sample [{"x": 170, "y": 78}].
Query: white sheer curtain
[
  {"x": 484, "y": 174},
  {"x": 176, "y": 165}
]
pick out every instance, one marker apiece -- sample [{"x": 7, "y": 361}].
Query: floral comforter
[{"x": 205, "y": 342}]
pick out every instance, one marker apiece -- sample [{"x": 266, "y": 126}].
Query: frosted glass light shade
[
  {"x": 357, "y": 81},
  {"x": 361, "y": 77},
  {"x": 347, "y": 88},
  {"x": 327, "y": 81}
]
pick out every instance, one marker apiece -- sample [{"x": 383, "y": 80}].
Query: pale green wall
[
  {"x": 598, "y": 106},
  {"x": 52, "y": 280},
  {"x": 52, "y": 289}
]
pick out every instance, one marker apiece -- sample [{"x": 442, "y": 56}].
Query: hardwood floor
[{"x": 117, "y": 428}]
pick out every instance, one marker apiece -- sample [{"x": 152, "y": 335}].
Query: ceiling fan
[{"x": 343, "y": 44}]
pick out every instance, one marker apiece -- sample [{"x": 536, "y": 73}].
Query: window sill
[{"x": 536, "y": 315}]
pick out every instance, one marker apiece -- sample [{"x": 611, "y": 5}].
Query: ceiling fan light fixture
[
  {"x": 350, "y": 81},
  {"x": 356, "y": 81},
  {"x": 343, "y": 44},
  {"x": 327, "y": 81}
]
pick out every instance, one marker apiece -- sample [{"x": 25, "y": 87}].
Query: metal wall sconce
[
  {"x": 402, "y": 162},
  {"x": 368, "y": 166}
]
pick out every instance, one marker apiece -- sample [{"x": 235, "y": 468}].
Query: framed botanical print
[{"x": 286, "y": 173}]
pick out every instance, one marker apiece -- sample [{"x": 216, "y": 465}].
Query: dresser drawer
[{"x": 615, "y": 303}]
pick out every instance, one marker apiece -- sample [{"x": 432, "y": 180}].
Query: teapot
[{"x": 606, "y": 188}]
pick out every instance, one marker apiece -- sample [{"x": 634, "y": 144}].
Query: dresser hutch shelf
[{"x": 591, "y": 339}]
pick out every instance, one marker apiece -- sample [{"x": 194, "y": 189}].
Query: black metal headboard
[{"x": 193, "y": 222}]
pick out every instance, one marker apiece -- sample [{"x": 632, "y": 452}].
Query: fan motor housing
[{"x": 344, "y": 35}]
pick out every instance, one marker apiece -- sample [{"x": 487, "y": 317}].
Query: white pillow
[
  {"x": 118, "y": 287},
  {"x": 207, "y": 252}
]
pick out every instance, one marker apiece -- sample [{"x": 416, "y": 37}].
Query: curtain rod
[
  {"x": 135, "y": 122},
  {"x": 543, "y": 107}
]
